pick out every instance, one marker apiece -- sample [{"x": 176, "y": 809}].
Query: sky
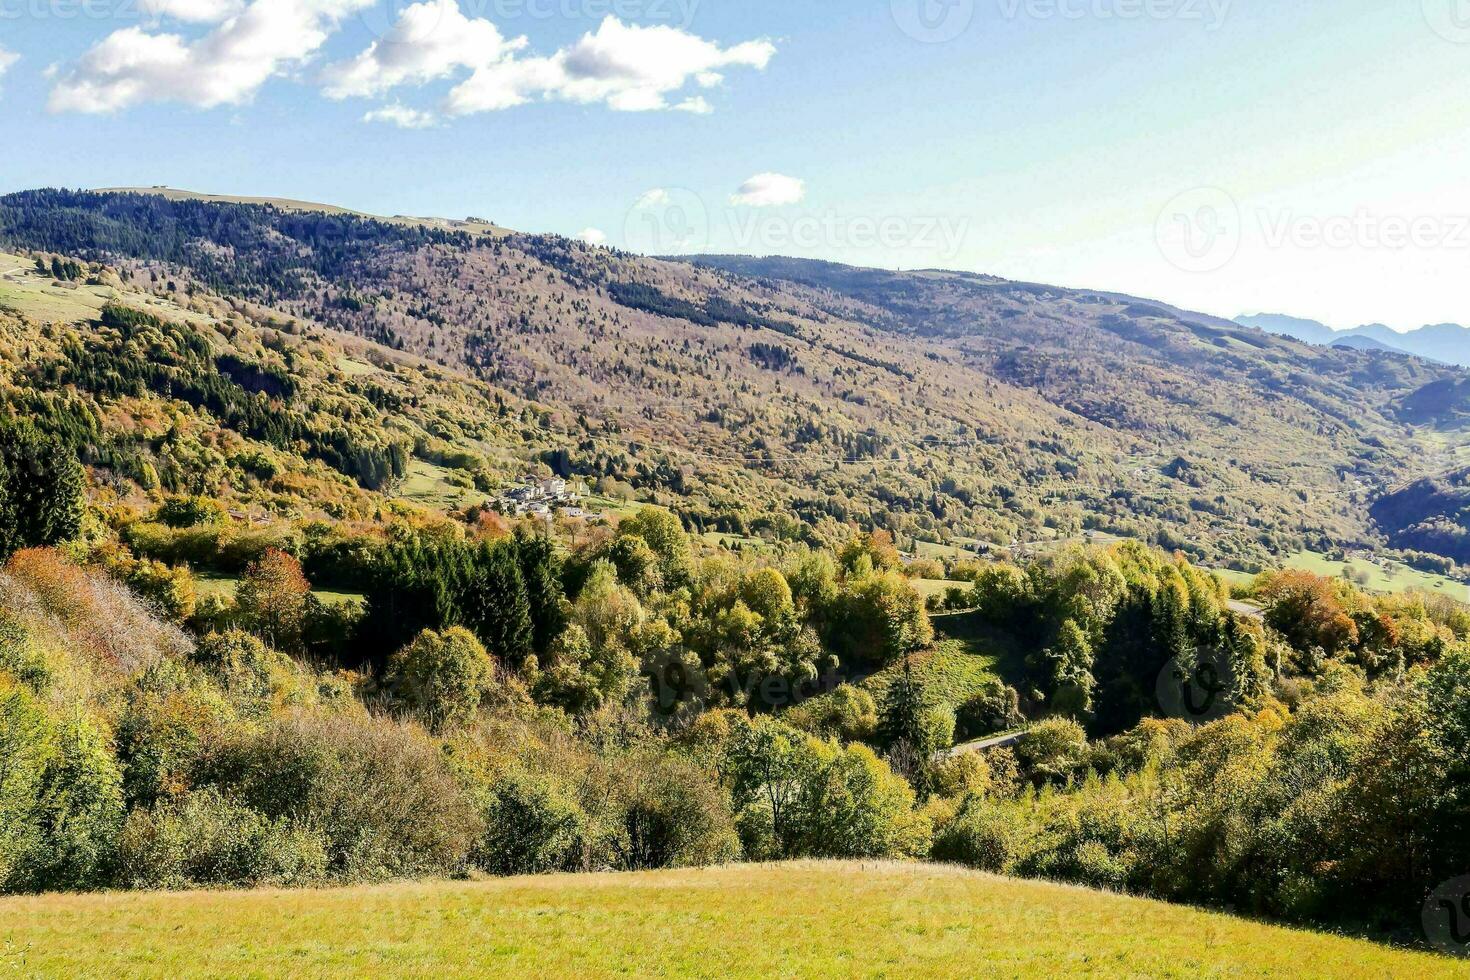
[{"x": 1228, "y": 156}]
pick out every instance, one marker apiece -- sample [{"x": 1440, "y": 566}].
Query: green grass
[
  {"x": 208, "y": 583},
  {"x": 805, "y": 919},
  {"x": 732, "y": 541},
  {"x": 931, "y": 549},
  {"x": 429, "y": 486},
  {"x": 354, "y": 368},
  {"x": 1396, "y": 577},
  {"x": 927, "y": 587}
]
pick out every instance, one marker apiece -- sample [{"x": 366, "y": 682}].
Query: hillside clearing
[{"x": 806, "y": 918}]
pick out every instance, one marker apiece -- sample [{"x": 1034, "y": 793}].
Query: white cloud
[
  {"x": 193, "y": 11},
  {"x": 625, "y": 67},
  {"x": 225, "y": 67},
  {"x": 592, "y": 236},
  {"x": 402, "y": 116},
  {"x": 431, "y": 40},
  {"x": 657, "y": 197},
  {"x": 698, "y": 105},
  {"x": 7, "y": 59},
  {"x": 769, "y": 190}
]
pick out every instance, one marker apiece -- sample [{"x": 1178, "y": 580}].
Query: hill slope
[
  {"x": 807, "y": 919},
  {"x": 791, "y": 398}
]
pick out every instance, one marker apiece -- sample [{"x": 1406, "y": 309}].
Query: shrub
[
  {"x": 27, "y": 746},
  {"x": 852, "y": 805},
  {"x": 982, "y": 835},
  {"x": 380, "y": 792},
  {"x": 241, "y": 662},
  {"x": 440, "y": 677},
  {"x": 673, "y": 814},
  {"x": 1054, "y": 750},
  {"x": 533, "y": 825},
  {"x": 169, "y": 723},
  {"x": 20, "y": 655},
  {"x": 847, "y": 713},
  {"x": 207, "y": 839},
  {"x": 180, "y": 512},
  {"x": 993, "y": 709},
  {"x": 79, "y": 813}
]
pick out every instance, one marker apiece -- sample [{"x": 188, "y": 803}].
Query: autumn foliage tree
[{"x": 271, "y": 599}]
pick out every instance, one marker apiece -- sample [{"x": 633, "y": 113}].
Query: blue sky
[{"x": 1227, "y": 155}]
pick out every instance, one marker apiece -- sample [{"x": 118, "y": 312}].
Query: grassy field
[
  {"x": 801, "y": 919},
  {"x": 429, "y": 486},
  {"x": 934, "y": 586},
  {"x": 206, "y": 583},
  {"x": 1396, "y": 577}
]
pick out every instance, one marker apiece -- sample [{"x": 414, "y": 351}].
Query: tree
[
  {"x": 581, "y": 678},
  {"x": 541, "y": 573},
  {"x": 271, "y": 599},
  {"x": 665, "y": 535},
  {"x": 910, "y": 723},
  {"x": 1068, "y": 663},
  {"x": 496, "y": 605},
  {"x": 855, "y": 806},
  {"x": 41, "y": 489},
  {"x": 879, "y": 619},
  {"x": 1308, "y": 611},
  {"x": 441, "y": 677}
]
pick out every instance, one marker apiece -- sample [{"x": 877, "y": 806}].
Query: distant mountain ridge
[
  {"x": 798, "y": 398},
  {"x": 1448, "y": 343}
]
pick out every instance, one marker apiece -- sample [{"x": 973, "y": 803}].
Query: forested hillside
[
  {"x": 267, "y": 619},
  {"x": 789, "y": 399}
]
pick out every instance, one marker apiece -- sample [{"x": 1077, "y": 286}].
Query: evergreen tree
[
  {"x": 496, "y": 606},
  {"x": 541, "y": 572},
  {"x": 41, "y": 489}
]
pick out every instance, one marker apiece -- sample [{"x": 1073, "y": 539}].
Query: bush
[
  {"x": 206, "y": 839},
  {"x": 1054, "y": 750},
  {"x": 79, "y": 813},
  {"x": 673, "y": 815},
  {"x": 179, "y": 512},
  {"x": 852, "y": 805},
  {"x": 441, "y": 677},
  {"x": 994, "y": 709},
  {"x": 381, "y": 793},
  {"x": 27, "y": 746},
  {"x": 20, "y": 656},
  {"x": 982, "y": 835},
  {"x": 532, "y": 825},
  {"x": 241, "y": 662},
  {"x": 848, "y": 714}
]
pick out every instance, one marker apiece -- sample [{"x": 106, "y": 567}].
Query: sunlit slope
[{"x": 808, "y": 919}]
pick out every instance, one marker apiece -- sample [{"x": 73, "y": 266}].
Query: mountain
[
  {"x": 1448, "y": 343},
  {"x": 1308, "y": 331},
  {"x": 1360, "y": 342},
  {"x": 789, "y": 398}
]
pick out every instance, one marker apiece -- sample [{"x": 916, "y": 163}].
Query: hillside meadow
[{"x": 800, "y": 918}]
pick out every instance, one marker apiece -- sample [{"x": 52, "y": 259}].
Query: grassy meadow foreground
[{"x": 807, "y": 918}]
